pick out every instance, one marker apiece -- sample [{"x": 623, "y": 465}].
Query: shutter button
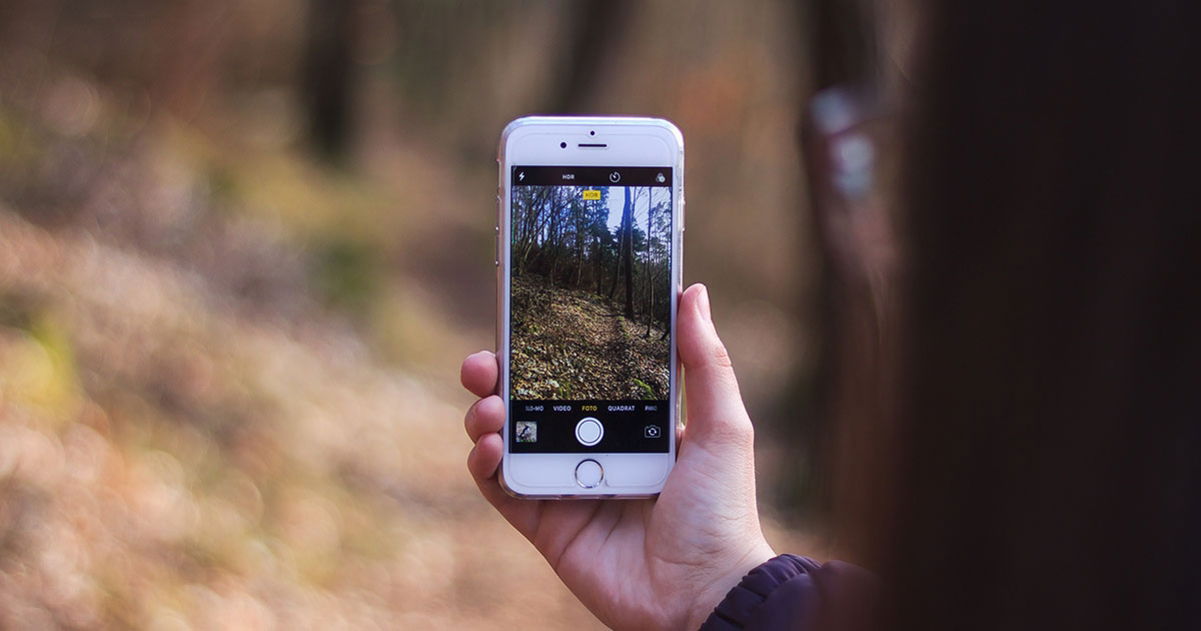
[{"x": 589, "y": 431}]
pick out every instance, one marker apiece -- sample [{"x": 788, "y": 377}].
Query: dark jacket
[{"x": 792, "y": 592}]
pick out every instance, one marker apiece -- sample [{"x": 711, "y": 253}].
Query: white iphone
[{"x": 589, "y": 236}]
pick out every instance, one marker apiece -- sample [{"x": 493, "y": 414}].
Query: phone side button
[{"x": 589, "y": 473}]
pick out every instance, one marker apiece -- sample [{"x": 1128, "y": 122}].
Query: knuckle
[
  {"x": 490, "y": 405},
  {"x": 737, "y": 432},
  {"x": 721, "y": 357},
  {"x": 472, "y": 420},
  {"x": 747, "y": 430}
]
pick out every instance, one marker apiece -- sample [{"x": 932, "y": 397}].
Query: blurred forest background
[{"x": 244, "y": 246}]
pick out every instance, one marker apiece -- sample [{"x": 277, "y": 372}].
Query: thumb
[{"x": 715, "y": 409}]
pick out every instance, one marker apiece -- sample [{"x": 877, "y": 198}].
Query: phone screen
[{"x": 590, "y": 309}]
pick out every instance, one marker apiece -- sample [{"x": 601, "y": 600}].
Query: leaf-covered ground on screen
[{"x": 572, "y": 344}]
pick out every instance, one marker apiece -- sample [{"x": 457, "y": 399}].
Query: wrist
[{"x": 709, "y": 597}]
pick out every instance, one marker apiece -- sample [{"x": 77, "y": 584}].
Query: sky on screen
[{"x": 617, "y": 198}]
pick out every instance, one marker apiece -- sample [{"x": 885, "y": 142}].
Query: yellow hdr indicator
[{"x": 592, "y": 194}]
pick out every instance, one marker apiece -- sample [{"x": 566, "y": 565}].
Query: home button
[
  {"x": 589, "y": 474},
  {"x": 589, "y": 431}
]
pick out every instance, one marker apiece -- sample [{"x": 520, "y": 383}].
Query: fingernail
[{"x": 702, "y": 303}]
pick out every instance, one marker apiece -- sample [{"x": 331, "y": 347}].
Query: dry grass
[{"x": 164, "y": 464}]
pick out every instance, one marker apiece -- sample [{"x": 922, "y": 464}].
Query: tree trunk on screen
[
  {"x": 650, "y": 284},
  {"x": 621, "y": 241},
  {"x": 578, "y": 212},
  {"x": 535, "y": 222},
  {"x": 627, "y": 222},
  {"x": 598, "y": 267},
  {"x": 552, "y": 242}
]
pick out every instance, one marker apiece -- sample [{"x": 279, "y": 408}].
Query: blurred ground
[{"x": 228, "y": 366}]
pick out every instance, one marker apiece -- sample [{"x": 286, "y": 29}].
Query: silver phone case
[{"x": 502, "y": 283}]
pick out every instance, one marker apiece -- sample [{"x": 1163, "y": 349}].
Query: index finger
[{"x": 479, "y": 373}]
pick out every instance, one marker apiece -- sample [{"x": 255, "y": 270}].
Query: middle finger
[{"x": 487, "y": 416}]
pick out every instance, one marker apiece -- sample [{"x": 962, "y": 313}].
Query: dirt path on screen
[{"x": 570, "y": 344}]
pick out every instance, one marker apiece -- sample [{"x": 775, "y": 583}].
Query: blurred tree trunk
[
  {"x": 839, "y": 43},
  {"x": 593, "y": 31},
  {"x": 328, "y": 75},
  {"x": 189, "y": 65}
]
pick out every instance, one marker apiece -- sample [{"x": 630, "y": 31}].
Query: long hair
[{"x": 1048, "y": 431}]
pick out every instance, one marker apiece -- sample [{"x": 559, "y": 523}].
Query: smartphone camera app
[{"x": 590, "y": 286}]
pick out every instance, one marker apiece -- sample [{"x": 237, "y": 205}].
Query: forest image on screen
[{"x": 590, "y": 293}]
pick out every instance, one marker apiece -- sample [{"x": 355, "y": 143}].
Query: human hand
[{"x": 660, "y": 563}]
